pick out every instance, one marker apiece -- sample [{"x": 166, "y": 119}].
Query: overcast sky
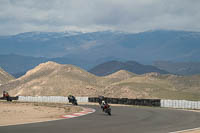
[{"x": 18, "y": 16}]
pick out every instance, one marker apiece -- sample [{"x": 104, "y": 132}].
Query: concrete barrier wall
[
  {"x": 54, "y": 99},
  {"x": 182, "y": 104}
]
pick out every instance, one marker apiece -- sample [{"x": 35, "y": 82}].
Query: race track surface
[{"x": 123, "y": 120}]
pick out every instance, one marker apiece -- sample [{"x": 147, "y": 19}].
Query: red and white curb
[{"x": 84, "y": 112}]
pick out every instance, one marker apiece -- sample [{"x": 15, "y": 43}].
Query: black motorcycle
[{"x": 72, "y": 100}]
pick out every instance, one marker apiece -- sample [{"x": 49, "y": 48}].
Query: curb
[{"x": 78, "y": 114}]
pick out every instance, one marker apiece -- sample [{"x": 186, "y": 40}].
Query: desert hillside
[
  {"x": 52, "y": 79},
  {"x": 155, "y": 85},
  {"x": 4, "y": 77}
]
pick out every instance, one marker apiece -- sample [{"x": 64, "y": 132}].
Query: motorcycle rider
[
  {"x": 6, "y": 96},
  {"x": 101, "y": 98},
  {"x": 72, "y": 99},
  {"x": 104, "y": 105}
]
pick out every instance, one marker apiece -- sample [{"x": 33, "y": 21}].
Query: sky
[{"x": 17, "y": 16}]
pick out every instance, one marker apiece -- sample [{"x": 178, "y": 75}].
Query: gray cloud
[{"x": 93, "y": 15}]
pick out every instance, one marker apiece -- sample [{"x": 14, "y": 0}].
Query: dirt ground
[{"x": 12, "y": 113}]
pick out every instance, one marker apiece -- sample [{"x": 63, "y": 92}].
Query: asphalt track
[{"x": 123, "y": 120}]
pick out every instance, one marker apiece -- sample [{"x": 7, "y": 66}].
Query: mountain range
[
  {"x": 97, "y": 47},
  {"x": 22, "y": 52},
  {"x": 53, "y": 79},
  {"x": 18, "y": 65}
]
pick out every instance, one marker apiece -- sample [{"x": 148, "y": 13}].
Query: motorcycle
[
  {"x": 106, "y": 108},
  {"x": 6, "y": 96},
  {"x": 104, "y": 105},
  {"x": 72, "y": 100}
]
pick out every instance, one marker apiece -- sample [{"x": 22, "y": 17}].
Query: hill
[
  {"x": 18, "y": 65},
  {"x": 180, "y": 68},
  {"x": 115, "y": 77},
  {"x": 121, "y": 75},
  {"x": 131, "y": 66},
  {"x": 52, "y": 79},
  {"x": 154, "y": 85},
  {"x": 4, "y": 77}
]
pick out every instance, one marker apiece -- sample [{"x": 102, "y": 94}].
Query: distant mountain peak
[
  {"x": 49, "y": 63},
  {"x": 121, "y": 74},
  {"x": 152, "y": 74}
]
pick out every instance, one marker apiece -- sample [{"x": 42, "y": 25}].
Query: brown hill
[
  {"x": 121, "y": 75},
  {"x": 54, "y": 79},
  {"x": 61, "y": 80},
  {"x": 154, "y": 85},
  {"x": 116, "y": 77},
  {"x": 5, "y": 77}
]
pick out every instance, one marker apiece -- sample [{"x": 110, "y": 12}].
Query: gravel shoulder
[{"x": 20, "y": 113}]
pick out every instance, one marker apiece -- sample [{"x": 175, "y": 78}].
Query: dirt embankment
[{"x": 19, "y": 113}]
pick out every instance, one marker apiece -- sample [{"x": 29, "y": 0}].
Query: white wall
[
  {"x": 55, "y": 99},
  {"x": 182, "y": 104}
]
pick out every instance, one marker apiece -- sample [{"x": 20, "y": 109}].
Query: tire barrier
[
  {"x": 126, "y": 101},
  {"x": 12, "y": 98}
]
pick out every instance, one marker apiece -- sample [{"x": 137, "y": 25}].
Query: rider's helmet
[{"x": 103, "y": 102}]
